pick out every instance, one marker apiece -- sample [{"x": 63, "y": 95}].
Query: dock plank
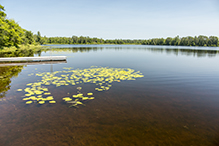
[
  {"x": 41, "y": 58},
  {"x": 32, "y": 63}
]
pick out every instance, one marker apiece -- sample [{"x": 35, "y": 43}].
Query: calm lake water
[{"x": 172, "y": 100}]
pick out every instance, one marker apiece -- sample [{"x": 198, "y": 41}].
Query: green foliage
[
  {"x": 176, "y": 41},
  {"x": 28, "y": 39},
  {"x": 10, "y": 32},
  {"x": 2, "y": 13},
  {"x": 38, "y": 37}
]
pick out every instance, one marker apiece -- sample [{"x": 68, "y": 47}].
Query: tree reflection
[
  {"x": 6, "y": 73},
  {"x": 175, "y": 51},
  {"x": 21, "y": 53}
]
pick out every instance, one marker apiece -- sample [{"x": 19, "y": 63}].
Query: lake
[{"x": 113, "y": 95}]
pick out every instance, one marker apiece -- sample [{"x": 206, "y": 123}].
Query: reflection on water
[
  {"x": 6, "y": 73},
  {"x": 176, "y": 51},
  {"x": 188, "y": 51},
  {"x": 175, "y": 103},
  {"x": 21, "y": 53}
]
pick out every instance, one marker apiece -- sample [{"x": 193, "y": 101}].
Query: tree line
[
  {"x": 200, "y": 40},
  {"x": 11, "y": 34}
]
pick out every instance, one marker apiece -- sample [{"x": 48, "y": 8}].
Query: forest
[
  {"x": 12, "y": 34},
  {"x": 200, "y": 40}
]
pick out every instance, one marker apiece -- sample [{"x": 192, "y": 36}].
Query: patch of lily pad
[{"x": 103, "y": 77}]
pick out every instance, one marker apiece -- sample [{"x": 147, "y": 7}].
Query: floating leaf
[
  {"x": 29, "y": 102},
  {"x": 80, "y": 95},
  {"x": 45, "y": 89},
  {"x": 89, "y": 93},
  {"x": 75, "y": 96},
  {"x": 19, "y": 89},
  {"x": 67, "y": 99},
  {"x": 33, "y": 98},
  {"x": 29, "y": 84},
  {"x": 41, "y": 102},
  {"x": 85, "y": 98},
  {"x": 78, "y": 102},
  {"x": 49, "y": 98},
  {"x": 91, "y": 98},
  {"x": 52, "y": 101},
  {"x": 26, "y": 98},
  {"x": 38, "y": 99}
]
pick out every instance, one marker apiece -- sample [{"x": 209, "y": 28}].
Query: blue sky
[{"x": 116, "y": 19}]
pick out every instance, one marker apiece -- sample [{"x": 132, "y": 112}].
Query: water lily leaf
[
  {"x": 29, "y": 84},
  {"x": 85, "y": 98},
  {"x": 41, "y": 102},
  {"x": 26, "y": 98},
  {"x": 33, "y": 98},
  {"x": 90, "y": 93},
  {"x": 38, "y": 99},
  {"x": 91, "y": 98},
  {"x": 28, "y": 102},
  {"x": 78, "y": 102},
  {"x": 52, "y": 101},
  {"x": 80, "y": 95},
  {"x": 49, "y": 98},
  {"x": 45, "y": 89},
  {"x": 69, "y": 99}
]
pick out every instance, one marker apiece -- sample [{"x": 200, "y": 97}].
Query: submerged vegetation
[{"x": 38, "y": 92}]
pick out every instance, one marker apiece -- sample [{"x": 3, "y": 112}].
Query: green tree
[
  {"x": 168, "y": 41},
  {"x": 38, "y": 37},
  {"x": 213, "y": 41},
  {"x": 10, "y": 32},
  {"x": 28, "y": 39},
  {"x": 175, "y": 41},
  {"x": 203, "y": 40}
]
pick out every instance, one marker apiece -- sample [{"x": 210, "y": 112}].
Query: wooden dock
[
  {"x": 31, "y": 63},
  {"x": 29, "y": 59}
]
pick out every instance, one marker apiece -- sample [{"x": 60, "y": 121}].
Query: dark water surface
[{"x": 175, "y": 103}]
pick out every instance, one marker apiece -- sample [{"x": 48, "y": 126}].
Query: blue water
[{"x": 175, "y": 103}]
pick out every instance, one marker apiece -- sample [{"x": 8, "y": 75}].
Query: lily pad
[
  {"x": 90, "y": 93},
  {"x": 29, "y": 102},
  {"x": 41, "y": 102},
  {"x": 52, "y": 101}
]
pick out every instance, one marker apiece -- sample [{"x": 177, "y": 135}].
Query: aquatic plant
[{"x": 103, "y": 77}]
